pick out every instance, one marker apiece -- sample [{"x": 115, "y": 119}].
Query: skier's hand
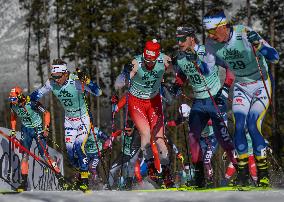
[
  {"x": 190, "y": 55},
  {"x": 108, "y": 143},
  {"x": 224, "y": 156},
  {"x": 128, "y": 67},
  {"x": 83, "y": 76},
  {"x": 45, "y": 131},
  {"x": 13, "y": 133},
  {"x": 114, "y": 99},
  {"x": 180, "y": 157},
  {"x": 175, "y": 90},
  {"x": 222, "y": 95},
  {"x": 253, "y": 37}
]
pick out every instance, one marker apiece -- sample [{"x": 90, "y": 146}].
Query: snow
[{"x": 137, "y": 196}]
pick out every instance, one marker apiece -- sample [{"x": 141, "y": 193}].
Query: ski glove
[
  {"x": 253, "y": 37},
  {"x": 13, "y": 133},
  {"x": 190, "y": 56},
  {"x": 83, "y": 76},
  {"x": 222, "y": 95},
  {"x": 180, "y": 157},
  {"x": 175, "y": 90},
  {"x": 45, "y": 131},
  {"x": 108, "y": 143},
  {"x": 128, "y": 68},
  {"x": 114, "y": 99}
]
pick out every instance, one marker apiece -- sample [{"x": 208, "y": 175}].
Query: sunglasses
[
  {"x": 55, "y": 77},
  {"x": 128, "y": 130},
  {"x": 211, "y": 31},
  {"x": 13, "y": 99},
  {"x": 149, "y": 61},
  {"x": 181, "y": 39}
]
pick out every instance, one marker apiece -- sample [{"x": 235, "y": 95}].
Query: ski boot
[
  {"x": 62, "y": 182},
  {"x": 128, "y": 183},
  {"x": 209, "y": 183},
  {"x": 262, "y": 172},
  {"x": 24, "y": 184},
  {"x": 153, "y": 176},
  {"x": 199, "y": 179},
  {"x": 84, "y": 182},
  {"x": 242, "y": 179},
  {"x": 167, "y": 177}
]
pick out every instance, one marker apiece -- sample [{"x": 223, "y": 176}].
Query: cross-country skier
[
  {"x": 192, "y": 64},
  {"x": 245, "y": 53},
  {"x": 117, "y": 105},
  {"x": 93, "y": 147},
  {"x": 69, "y": 90},
  {"x": 144, "y": 104},
  {"x": 208, "y": 141},
  {"x": 130, "y": 149},
  {"x": 32, "y": 127}
]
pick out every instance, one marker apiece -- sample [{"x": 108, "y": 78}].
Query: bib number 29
[{"x": 238, "y": 64}]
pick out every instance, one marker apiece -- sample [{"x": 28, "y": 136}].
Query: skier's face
[
  {"x": 185, "y": 42},
  {"x": 59, "y": 77},
  {"x": 129, "y": 131},
  {"x": 219, "y": 34}
]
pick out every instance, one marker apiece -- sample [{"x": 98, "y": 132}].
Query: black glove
[
  {"x": 190, "y": 56},
  {"x": 82, "y": 75},
  {"x": 253, "y": 37},
  {"x": 222, "y": 95},
  {"x": 175, "y": 90},
  {"x": 128, "y": 68}
]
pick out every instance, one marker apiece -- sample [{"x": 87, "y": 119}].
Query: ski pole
[
  {"x": 186, "y": 144},
  {"x": 91, "y": 122},
  {"x": 124, "y": 126}
]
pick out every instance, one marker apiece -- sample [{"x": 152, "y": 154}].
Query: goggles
[
  {"x": 211, "y": 31},
  {"x": 181, "y": 39},
  {"x": 56, "y": 77},
  {"x": 13, "y": 99}
]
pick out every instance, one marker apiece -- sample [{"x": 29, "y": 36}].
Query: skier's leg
[
  {"x": 256, "y": 114},
  {"x": 198, "y": 119},
  {"x": 137, "y": 111},
  {"x": 26, "y": 139},
  {"x": 83, "y": 130},
  {"x": 70, "y": 135},
  {"x": 241, "y": 105}
]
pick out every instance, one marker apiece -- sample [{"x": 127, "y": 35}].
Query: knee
[{"x": 252, "y": 123}]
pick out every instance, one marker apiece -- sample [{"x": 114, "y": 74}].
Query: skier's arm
[
  {"x": 37, "y": 106},
  {"x": 101, "y": 135},
  {"x": 205, "y": 61},
  {"x": 230, "y": 77},
  {"x": 89, "y": 86},
  {"x": 129, "y": 69},
  {"x": 39, "y": 93},
  {"x": 116, "y": 133},
  {"x": 260, "y": 45}
]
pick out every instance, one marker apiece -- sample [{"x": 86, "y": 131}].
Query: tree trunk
[
  {"x": 98, "y": 83},
  {"x": 248, "y": 13},
  {"x": 57, "y": 29},
  {"x": 38, "y": 49},
  {"x": 28, "y": 56},
  {"x": 51, "y": 101}
]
